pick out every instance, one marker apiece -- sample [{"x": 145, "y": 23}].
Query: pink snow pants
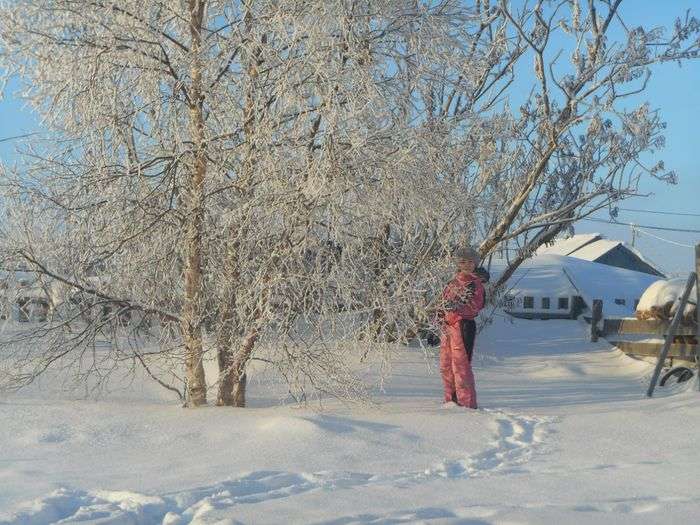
[{"x": 455, "y": 368}]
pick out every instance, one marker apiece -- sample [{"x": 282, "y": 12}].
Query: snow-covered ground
[{"x": 564, "y": 435}]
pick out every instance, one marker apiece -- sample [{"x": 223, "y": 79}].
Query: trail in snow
[
  {"x": 517, "y": 439},
  {"x": 409, "y": 464}
]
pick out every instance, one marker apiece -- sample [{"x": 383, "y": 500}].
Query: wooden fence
[
  {"x": 684, "y": 343},
  {"x": 615, "y": 330}
]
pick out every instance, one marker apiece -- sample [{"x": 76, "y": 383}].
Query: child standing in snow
[{"x": 462, "y": 299}]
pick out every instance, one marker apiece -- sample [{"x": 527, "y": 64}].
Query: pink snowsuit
[{"x": 464, "y": 301}]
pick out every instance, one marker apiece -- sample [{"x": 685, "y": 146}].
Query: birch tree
[
  {"x": 210, "y": 161},
  {"x": 282, "y": 182},
  {"x": 122, "y": 88}
]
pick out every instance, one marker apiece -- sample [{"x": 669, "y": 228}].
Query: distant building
[
  {"x": 550, "y": 286},
  {"x": 595, "y": 248},
  {"x": 22, "y": 298}
]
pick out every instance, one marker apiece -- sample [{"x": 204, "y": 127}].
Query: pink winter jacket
[{"x": 464, "y": 297}]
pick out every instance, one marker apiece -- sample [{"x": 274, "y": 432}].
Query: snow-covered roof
[
  {"x": 641, "y": 256},
  {"x": 537, "y": 275},
  {"x": 592, "y": 247},
  {"x": 609, "y": 283},
  {"x": 570, "y": 245},
  {"x": 562, "y": 276},
  {"x": 587, "y": 246},
  {"x": 595, "y": 250}
]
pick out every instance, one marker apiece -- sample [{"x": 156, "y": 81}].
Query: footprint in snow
[
  {"x": 518, "y": 438},
  {"x": 69, "y": 506}
]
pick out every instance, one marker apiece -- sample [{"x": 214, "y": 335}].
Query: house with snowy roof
[
  {"x": 596, "y": 248},
  {"x": 561, "y": 281}
]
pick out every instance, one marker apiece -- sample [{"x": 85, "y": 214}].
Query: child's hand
[{"x": 451, "y": 306}]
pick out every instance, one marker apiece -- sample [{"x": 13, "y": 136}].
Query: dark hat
[
  {"x": 482, "y": 273},
  {"x": 467, "y": 253}
]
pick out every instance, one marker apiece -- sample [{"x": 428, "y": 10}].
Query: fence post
[
  {"x": 671, "y": 333},
  {"x": 697, "y": 311},
  {"x": 596, "y": 316}
]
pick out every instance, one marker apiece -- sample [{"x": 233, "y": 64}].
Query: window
[
  {"x": 563, "y": 303},
  {"x": 528, "y": 302},
  {"x": 545, "y": 303},
  {"x": 620, "y": 301}
]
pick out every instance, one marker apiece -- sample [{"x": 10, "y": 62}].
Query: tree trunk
[
  {"x": 378, "y": 325},
  {"x": 236, "y": 378},
  {"x": 192, "y": 307},
  {"x": 516, "y": 204},
  {"x": 224, "y": 355},
  {"x": 225, "y": 336},
  {"x": 232, "y": 377},
  {"x": 239, "y": 391},
  {"x": 547, "y": 234}
]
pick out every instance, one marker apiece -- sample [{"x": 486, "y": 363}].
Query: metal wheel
[{"x": 681, "y": 374}]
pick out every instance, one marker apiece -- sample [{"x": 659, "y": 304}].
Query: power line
[
  {"x": 636, "y": 229},
  {"x": 641, "y": 226},
  {"x": 16, "y": 137},
  {"x": 662, "y": 212}
]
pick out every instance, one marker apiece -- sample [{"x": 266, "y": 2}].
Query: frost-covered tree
[
  {"x": 573, "y": 145},
  {"x": 224, "y": 172},
  {"x": 542, "y": 132},
  {"x": 283, "y": 180}
]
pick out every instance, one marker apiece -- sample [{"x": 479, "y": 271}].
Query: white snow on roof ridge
[
  {"x": 569, "y": 245},
  {"x": 595, "y": 250}
]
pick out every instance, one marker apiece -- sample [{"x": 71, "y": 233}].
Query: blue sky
[{"x": 672, "y": 89}]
